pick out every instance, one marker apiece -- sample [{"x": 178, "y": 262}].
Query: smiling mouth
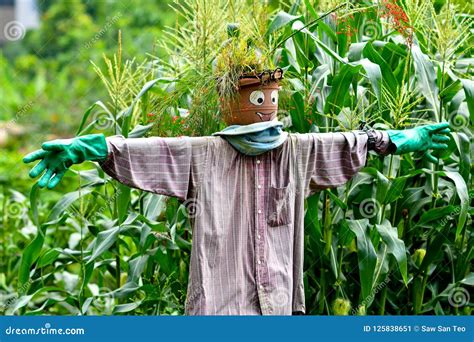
[{"x": 262, "y": 115}]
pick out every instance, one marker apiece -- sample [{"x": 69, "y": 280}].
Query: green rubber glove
[
  {"x": 419, "y": 139},
  {"x": 58, "y": 155}
]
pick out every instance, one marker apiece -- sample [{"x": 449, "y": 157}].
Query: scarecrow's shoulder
[
  {"x": 207, "y": 141},
  {"x": 299, "y": 137}
]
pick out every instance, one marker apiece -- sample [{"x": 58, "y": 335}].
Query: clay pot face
[{"x": 254, "y": 103}]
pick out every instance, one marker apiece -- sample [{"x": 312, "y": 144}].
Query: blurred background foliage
[{"x": 397, "y": 239}]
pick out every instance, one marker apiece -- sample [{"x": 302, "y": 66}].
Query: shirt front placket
[{"x": 262, "y": 168}]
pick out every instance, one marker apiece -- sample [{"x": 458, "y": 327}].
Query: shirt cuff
[{"x": 380, "y": 142}]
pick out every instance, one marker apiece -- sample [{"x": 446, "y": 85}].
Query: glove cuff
[
  {"x": 398, "y": 139},
  {"x": 92, "y": 147}
]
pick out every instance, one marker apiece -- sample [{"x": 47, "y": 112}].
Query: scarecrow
[{"x": 247, "y": 185}]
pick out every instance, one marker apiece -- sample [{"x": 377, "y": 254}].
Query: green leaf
[
  {"x": 397, "y": 186},
  {"x": 388, "y": 77},
  {"x": 468, "y": 86},
  {"x": 81, "y": 130},
  {"x": 436, "y": 214},
  {"x": 123, "y": 201},
  {"x": 280, "y": 20},
  {"x": 322, "y": 45},
  {"x": 139, "y": 131},
  {"x": 374, "y": 75},
  {"x": 297, "y": 113},
  {"x": 311, "y": 9},
  {"x": 24, "y": 300},
  {"x": 395, "y": 246},
  {"x": 312, "y": 224},
  {"x": 68, "y": 199},
  {"x": 136, "y": 267},
  {"x": 122, "y": 308},
  {"x": 382, "y": 183},
  {"x": 87, "y": 270},
  {"x": 434, "y": 249},
  {"x": 463, "y": 145},
  {"x": 28, "y": 257},
  {"x": 463, "y": 194},
  {"x": 49, "y": 257},
  {"x": 103, "y": 242},
  {"x": 365, "y": 254},
  {"x": 127, "y": 114},
  {"x": 336, "y": 200},
  {"x": 290, "y": 51},
  {"x": 426, "y": 78},
  {"x": 34, "y": 204},
  {"x": 340, "y": 88},
  {"x": 469, "y": 280},
  {"x": 153, "y": 205},
  {"x": 355, "y": 51}
]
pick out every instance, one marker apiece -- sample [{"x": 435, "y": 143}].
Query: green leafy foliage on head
[
  {"x": 236, "y": 58},
  {"x": 246, "y": 51}
]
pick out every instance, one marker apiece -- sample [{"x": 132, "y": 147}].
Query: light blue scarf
[{"x": 255, "y": 139}]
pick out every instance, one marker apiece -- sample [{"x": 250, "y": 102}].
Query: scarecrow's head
[{"x": 256, "y": 100}]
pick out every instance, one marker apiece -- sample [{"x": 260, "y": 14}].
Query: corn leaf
[
  {"x": 365, "y": 253},
  {"x": 395, "y": 246}
]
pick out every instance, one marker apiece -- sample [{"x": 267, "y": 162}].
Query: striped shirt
[{"x": 247, "y": 212}]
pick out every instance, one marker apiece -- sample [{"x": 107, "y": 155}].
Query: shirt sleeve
[
  {"x": 380, "y": 142},
  {"x": 166, "y": 166},
  {"x": 328, "y": 160}
]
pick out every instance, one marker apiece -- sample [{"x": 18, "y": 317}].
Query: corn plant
[{"x": 377, "y": 245}]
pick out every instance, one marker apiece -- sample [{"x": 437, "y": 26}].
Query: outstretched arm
[
  {"x": 57, "y": 156},
  {"x": 331, "y": 159},
  {"x": 328, "y": 160},
  {"x": 168, "y": 166}
]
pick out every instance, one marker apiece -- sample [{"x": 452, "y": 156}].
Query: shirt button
[
  {"x": 259, "y": 262},
  {"x": 258, "y": 161},
  {"x": 259, "y": 186},
  {"x": 261, "y": 287},
  {"x": 259, "y": 211},
  {"x": 259, "y": 236}
]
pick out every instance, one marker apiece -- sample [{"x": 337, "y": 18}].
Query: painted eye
[
  {"x": 275, "y": 96},
  {"x": 257, "y": 97}
]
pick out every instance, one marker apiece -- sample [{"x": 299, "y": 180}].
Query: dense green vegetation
[{"x": 397, "y": 239}]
